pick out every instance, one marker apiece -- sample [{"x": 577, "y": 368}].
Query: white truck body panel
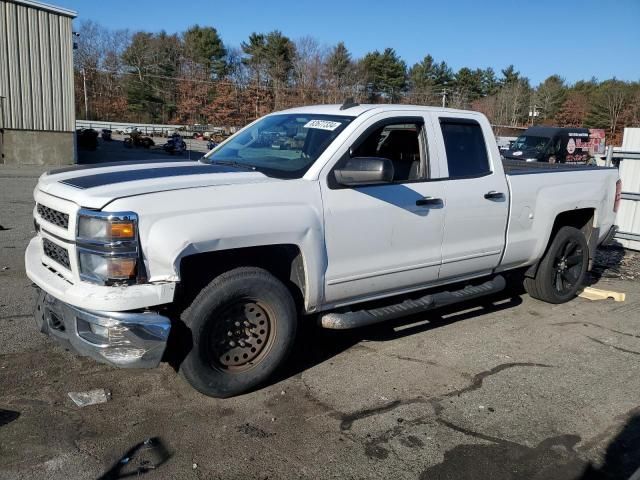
[
  {"x": 356, "y": 243},
  {"x": 535, "y": 205}
]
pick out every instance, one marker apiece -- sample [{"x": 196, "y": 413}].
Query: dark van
[{"x": 551, "y": 144}]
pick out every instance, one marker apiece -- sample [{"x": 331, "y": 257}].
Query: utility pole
[
  {"x": 84, "y": 87},
  {"x": 534, "y": 113}
]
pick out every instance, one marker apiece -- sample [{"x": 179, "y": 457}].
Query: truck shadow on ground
[
  {"x": 558, "y": 457},
  {"x": 316, "y": 345}
]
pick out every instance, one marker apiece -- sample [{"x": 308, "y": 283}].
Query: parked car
[
  {"x": 175, "y": 145},
  {"x": 87, "y": 138},
  {"x": 130, "y": 130},
  {"x": 106, "y": 135},
  {"x": 382, "y": 211},
  {"x": 555, "y": 145},
  {"x": 136, "y": 139}
]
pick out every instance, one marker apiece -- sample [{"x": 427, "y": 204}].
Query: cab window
[
  {"x": 400, "y": 143},
  {"x": 465, "y": 148}
]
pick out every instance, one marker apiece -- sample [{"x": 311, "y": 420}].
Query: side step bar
[{"x": 361, "y": 318}]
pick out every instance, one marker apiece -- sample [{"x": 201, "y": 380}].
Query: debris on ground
[
  {"x": 616, "y": 262},
  {"x": 90, "y": 397},
  {"x": 591, "y": 293},
  {"x": 3, "y": 228},
  {"x": 7, "y": 416},
  {"x": 141, "y": 458},
  {"x": 4, "y": 269}
]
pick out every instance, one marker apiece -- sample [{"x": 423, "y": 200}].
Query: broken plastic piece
[
  {"x": 90, "y": 397},
  {"x": 141, "y": 458}
]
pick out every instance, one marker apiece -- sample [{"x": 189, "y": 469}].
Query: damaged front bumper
[{"x": 122, "y": 339}]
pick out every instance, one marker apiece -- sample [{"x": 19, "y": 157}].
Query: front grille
[
  {"x": 53, "y": 216},
  {"x": 56, "y": 253}
]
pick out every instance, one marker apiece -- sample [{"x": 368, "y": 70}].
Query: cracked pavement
[{"x": 500, "y": 388}]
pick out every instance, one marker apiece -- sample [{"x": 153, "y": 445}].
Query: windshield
[
  {"x": 528, "y": 142},
  {"x": 281, "y": 145}
]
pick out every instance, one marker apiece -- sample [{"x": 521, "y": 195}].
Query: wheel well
[
  {"x": 580, "y": 218},
  {"x": 283, "y": 261}
]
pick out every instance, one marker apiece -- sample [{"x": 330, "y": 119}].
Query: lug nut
[
  {"x": 237, "y": 324},
  {"x": 232, "y": 343}
]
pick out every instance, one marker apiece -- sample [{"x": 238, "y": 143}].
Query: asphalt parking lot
[
  {"x": 115, "y": 150},
  {"x": 503, "y": 388}
]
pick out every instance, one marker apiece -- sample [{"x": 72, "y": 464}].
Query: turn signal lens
[
  {"x": 124, "y": 230},
  {"x": 121, "y": 268},
  {"x": 97, "y": 267}
]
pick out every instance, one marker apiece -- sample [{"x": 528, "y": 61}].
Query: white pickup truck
[{"x": 349, "y": 215}]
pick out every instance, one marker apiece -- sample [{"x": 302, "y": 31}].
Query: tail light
[{"x": 616, "y": 203}]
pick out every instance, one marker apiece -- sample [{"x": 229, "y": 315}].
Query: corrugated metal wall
[
  {"x": 628, "y": 218},
  {"x": 36, "y": 69}
]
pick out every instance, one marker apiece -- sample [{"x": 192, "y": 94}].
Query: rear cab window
[{"x": 465, "y": 147}]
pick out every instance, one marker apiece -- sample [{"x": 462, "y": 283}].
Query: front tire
[
  {"x": 243, "y": 326},
  {"x": 562, "y": 268}
]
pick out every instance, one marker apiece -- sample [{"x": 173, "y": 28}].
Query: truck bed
[{"x": 520, "y": 167}]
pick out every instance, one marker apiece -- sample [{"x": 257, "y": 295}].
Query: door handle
[
  {"x": 493, "y": 194},
  {"x": 428, "y": 201}
]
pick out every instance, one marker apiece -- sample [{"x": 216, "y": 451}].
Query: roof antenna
[{"x": 348, "y": 103}]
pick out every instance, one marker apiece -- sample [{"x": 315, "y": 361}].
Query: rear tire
[
  {"x": 562, "y": 268},
  {"x": 243, "y": 326}
]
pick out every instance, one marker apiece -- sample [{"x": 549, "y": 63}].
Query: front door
[{"x": 384, "y": 238}]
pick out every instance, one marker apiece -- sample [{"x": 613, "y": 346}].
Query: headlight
[
  {"x": 107, "y": 229},
  {"x": 108, "y": 251}
]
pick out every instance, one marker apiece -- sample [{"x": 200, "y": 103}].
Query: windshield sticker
[{"x": 322, "y": 125}]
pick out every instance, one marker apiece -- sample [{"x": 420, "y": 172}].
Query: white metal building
[
  {"x": 37, "y": 113},
  {"x": 628, "y": 218}
]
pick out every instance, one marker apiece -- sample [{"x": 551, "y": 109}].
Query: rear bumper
[
  {"x": 608, "y": 238},
  {"x": 122, "y": 339}
]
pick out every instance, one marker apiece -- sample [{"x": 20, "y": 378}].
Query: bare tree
[{"x": 308, "y": 66}]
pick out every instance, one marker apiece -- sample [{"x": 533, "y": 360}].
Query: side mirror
[{"x": 364, "y": 171}]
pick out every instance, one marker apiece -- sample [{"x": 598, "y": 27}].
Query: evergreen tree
[
  {"x": 203, "y": 46},
  {"x": 386, "y": 74}
]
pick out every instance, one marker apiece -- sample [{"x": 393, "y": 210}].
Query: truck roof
[{"x": 356, "y": 110}]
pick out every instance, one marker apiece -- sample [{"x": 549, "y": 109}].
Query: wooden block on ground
[{"x": 591, "y": 293}]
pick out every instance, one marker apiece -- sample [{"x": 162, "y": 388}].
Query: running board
[{"x": 361, "y": 318}]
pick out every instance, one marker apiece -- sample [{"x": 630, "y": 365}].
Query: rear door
[{"x": 476, "y": 195}]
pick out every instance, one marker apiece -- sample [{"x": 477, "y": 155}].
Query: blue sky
[{"x": 576, "y": 39}]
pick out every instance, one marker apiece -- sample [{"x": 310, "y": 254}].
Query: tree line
[{"x": 194, "y": 77}]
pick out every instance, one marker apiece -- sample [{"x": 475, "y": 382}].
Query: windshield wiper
[{"x": 231, "y": 163}]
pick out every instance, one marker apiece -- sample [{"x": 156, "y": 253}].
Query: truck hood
[{"x": 95, "y": 186}]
